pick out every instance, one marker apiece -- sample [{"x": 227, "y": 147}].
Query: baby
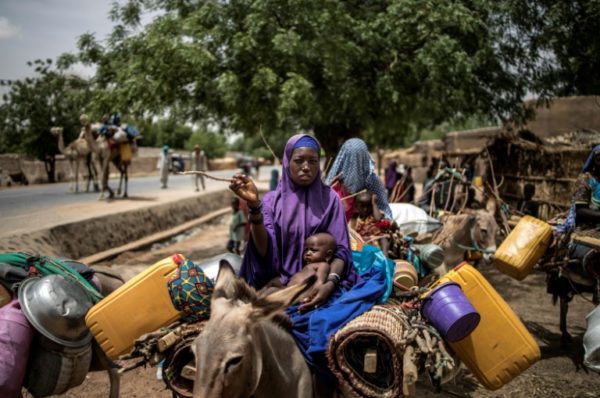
[{"x": 318, "y": 253}]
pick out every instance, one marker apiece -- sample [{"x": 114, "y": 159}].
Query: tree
[
  {"x": 214, "y": 145},
  {"x": 167, "y": 131},
  {"x": 339, "y": 68},
  {"x": 35, "y": 104},
  {"x": 255, "y": 146},
  {"x": 560, "y": 40}
]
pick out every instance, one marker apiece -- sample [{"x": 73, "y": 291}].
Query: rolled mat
[{"x": 366, "y": 355}]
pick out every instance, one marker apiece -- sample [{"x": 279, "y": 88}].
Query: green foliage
[
  {"x": 213, "y": 145},
  {"x": 166, "y": 132},
  {"x": 561, "y": 42},
  {"x": 412, "y": 133},
  {"x": 254, "y": 145},
  {"x": 35, "y": 104},
  {"x": 338, "y": 68}
]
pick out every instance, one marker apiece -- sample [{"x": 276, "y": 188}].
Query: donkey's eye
[{"x": 231, "y": 363}]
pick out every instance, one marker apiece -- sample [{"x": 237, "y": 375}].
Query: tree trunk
[
  {"x": 50, "y": 164},
  {"x": 332, "y": 137}
]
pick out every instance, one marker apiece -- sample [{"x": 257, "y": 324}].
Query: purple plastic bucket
[
  {"x": 15, "y": 339},
  {"x": 450, "y": 312}
]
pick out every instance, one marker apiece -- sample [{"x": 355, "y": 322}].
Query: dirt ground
[{"x": 559, "y": 373}]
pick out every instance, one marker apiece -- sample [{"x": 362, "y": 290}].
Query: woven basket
[
  {"x": 379, "y": 329},
  {"x": 177, "y": 357}
]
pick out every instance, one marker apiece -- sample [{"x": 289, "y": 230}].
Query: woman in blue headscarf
[
  {"x": 355, "y": 171},
  {"x": 587, "y": 195}
]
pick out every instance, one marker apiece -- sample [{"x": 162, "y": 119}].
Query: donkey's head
[{"x": 245, "y": 333}]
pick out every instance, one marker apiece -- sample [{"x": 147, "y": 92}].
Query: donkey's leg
[
  {"x": 565, "y": 336},
  {"x": 115, "y": 382},
  {"x": 101, "y": 362}
]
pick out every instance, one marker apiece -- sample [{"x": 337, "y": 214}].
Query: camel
[
  {"x": 76, "y": 152},
  {"x": 245, "y": 349},
  {"x": 106, "y": 154}
]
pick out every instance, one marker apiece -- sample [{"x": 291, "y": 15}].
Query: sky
[{"x": 32, "y": 29}]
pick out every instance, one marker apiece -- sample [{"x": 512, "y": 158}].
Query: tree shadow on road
[{"x": 133, "y": 198}]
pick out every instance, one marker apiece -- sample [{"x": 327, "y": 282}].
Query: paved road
[{"x": 41, "y": 206}]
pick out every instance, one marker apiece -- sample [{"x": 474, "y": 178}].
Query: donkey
[
  {"x": 578, "y": 271},
  {"x": 473, "y": 231},
  {"x": 246, "y": 348}
]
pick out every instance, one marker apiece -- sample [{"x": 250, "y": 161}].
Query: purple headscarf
[
  {"x": 291, "y": 214},
  {"x": 391, "y": 176}
]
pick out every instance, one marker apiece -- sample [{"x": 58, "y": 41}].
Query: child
[
  {"x": 369, "y": 220},
  {"x": 236, "y": 228},
  {"x": 318, "y": 253},
  {"x": 528, "y": 206}
]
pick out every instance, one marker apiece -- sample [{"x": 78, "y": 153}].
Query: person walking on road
[
  {"x": 163, "y": 166},
  {"x": 199, "y": 163}
]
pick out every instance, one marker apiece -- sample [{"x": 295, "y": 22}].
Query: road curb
[{"x": 111, "y": 253}]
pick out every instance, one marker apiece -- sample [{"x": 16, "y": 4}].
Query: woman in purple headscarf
[
  {"x": 391, "y": 177},
  {"x": 300, "y": 206}
]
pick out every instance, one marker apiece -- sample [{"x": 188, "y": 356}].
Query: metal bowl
[
  {"x": 210, "y": 266},
  {"x": 56, "y": 307}
]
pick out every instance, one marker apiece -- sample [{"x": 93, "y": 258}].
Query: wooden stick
[
  {"x": 202, "y": 173},
  {"x": 275, "y": 158},
  {"x": 353, "y": 195},
  {"x": 496, "y": 192},
  {"x": 336, "y": 180}
]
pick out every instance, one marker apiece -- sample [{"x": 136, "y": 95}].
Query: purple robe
[
  {"x": 291, "y": 214},
  {"x": 391, "y": 175}
]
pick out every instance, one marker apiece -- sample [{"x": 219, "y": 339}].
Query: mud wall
[{"x": 79, "y": 239}]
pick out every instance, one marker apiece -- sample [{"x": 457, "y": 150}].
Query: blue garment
[
  {"x": 358, "y": 172},
  {"x": 595, "y": 187},
  {"x": 371, "y": 256},
  {"x": 569, "y": 224},
  {"x": 307, "y": 142},
  {"x": 312, "y": 330}
]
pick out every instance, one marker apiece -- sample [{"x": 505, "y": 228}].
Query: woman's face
[{"x": 304, "y": 166}]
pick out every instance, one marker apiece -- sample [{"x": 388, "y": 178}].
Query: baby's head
[
  {"x": 318, "y": 248},
  {"x": 364, "y": 204}
]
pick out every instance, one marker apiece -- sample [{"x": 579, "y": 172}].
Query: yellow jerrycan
[
  {"x": 500, "y": 348},
  {"x": 140, "y": 306},
  {"x": 523, "y": 247}
]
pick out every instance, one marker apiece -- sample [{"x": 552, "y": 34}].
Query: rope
[{"x": 475, "y": 246}]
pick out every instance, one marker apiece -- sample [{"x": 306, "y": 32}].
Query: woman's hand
[
  {"x": 318, "y": 296},
  {"x": 244, "y": 188}
]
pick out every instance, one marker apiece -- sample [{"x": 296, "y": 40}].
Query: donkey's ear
[
  {"x": 225, "y": 286},
  {"x": 491, "y": 205},
  {"x": 268, "y": 306}
]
